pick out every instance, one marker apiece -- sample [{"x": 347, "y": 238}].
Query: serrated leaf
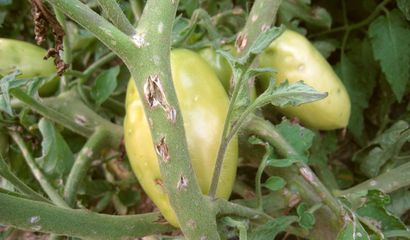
[
  {"x": 374, "y": 212},
  {"x": 272, "y": 228},
  {"x": 299, "y": 137},
  {"x": 265, "y": 39},
  {"x": 381, "y": 149},
  {"x": 6, "y": 83},
  {"x": 290, "y": 11},
  {"x": 404, "y": 6},
  {"x": 358, "y": 71},
  {"x": 289, "y": 94},
  {"x": 274, "y": 183},
  {"x": 105, "y": 85},
  {"x": 353, "y": 231},
  {"x": 57, "y": 158},
  {"x": 390, "y": 36}
]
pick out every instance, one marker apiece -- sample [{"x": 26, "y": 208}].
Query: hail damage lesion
[
  {"x": 182, "y": 183},
  {"x": 155, "y": 96},
  {"x": 161, "y": 149},
  {"x": 241, "y": 41}
]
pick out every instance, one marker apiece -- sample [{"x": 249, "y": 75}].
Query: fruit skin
[
  {"x": 295, "y": 58},
  {"x": 28, "y": 58},
  {"x": 219, "y": 64},
  {"x": 204, "y": 105}
]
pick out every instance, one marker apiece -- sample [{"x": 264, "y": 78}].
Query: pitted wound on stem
[
  {"x": 161, "y": 149},
  {"x": 182, "y": 183},
  {"x": 241, "y": 41},
  {"x": 265, "y": 27},
  {"x": 139, "y": 39},
  {"x": 155, "y": 96},
  {"x": 204, "y": 238},
  {"x": 307, "y": 174}
]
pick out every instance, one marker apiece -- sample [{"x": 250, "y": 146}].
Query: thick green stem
[
  {"x": 38, "y": 216},
  {"x": 194, "y": 212},
  {"x": 90, "y": 151},
  {"x": 386, "y": 182},
  {"x": 117, "y": 17},
  {"x": 262, "y": 16},
  {"x": 44, "y": 183}
]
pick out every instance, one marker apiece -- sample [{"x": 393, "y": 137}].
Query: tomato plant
[
  {"x": 142, "y": 140},
  {"x": 204, "y": 105}
]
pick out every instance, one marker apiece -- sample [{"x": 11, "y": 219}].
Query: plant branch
[
  {"x": 225, "y": 208},
  {"x": 260, "y": 19},
  {"x": 7, "y": 174},
  {"x": 111, "y": 36},
  {"x": 301, "y": 178},
  {"x": 355, "y": 26},
  {"x": 51, "y": 113},
  {"x": 37, "y": 173},
  {"x": 116, "y": 15},
  {"x": 38, "y": 216},
  {"x": 387, "y": 182},
  {"x": 91, "y": 150}
]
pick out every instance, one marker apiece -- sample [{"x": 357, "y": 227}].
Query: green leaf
[
  {"x": 57, "y": 158},
  {"x": 316, "y": 17},
  {"x": 293, "y": 94},
  {"x": 265, "y": 39},
  {"x": 5, "y": 82},
  {"x": 299, "y": 137},
  {"x": 353, "y": 231},
  {"x": 404, "y": 6},
  {"x": 381, "y": 149},
  {"x": 306, "y": 219},
  {"x": 374, "y": 212},
  {"x": 105, "y": 85},
  {"x": 272, "y": 228},
  {"x": 280, "y": 163},
  {"x": 326, "y": 47},
  {"x": 275, "y": 183},
  {"x": 358, "y": 72},
  {"x": 400, "y": 202},
  {"x": 189, "y": 6},
  {"x": 391, "y": 46}
]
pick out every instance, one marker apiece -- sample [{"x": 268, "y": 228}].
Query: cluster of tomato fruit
[{"x": 201, "y": 82}]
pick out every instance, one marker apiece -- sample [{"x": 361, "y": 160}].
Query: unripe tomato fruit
[
  {"x": 28, "y": 58},
  {"x": 219, "y": 64},
  {"x": 221, "y": 67},
  {"x": 295, "y": 58},
  {"x": 204, "y": 105}
]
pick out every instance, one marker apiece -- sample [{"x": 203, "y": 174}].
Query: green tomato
[
  {"x": 204, "y": 105},
  {"x": 28, "y": 58},
  {"x": 219, "y": 64},
  {"x": 295, "y": 58}
]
